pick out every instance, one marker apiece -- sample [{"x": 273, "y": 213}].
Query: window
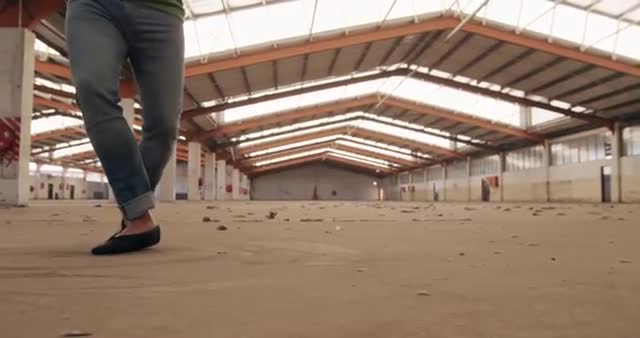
[
  {"x": 489, "y": 165},
  {"x": 457, "y": 169},
  {"x": 584, "y": 149},
  {"x": 631, "y": 140},
  {"x": 523, "y": 159}
]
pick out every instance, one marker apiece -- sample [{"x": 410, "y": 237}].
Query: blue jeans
[{"x": 101, "y": 36}]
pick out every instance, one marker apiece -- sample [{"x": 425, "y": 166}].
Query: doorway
[
  {"x": 605, "y": 179},
  {"x": 486, "y": 191},
  {"x": 436, "y": 193},
  {"x": 72, "y": 192},
  {"x": 50, "y": 191}
]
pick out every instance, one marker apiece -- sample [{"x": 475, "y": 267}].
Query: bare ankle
[{"x": 143, "y": 222}]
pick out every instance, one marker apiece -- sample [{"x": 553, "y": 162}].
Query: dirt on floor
[{"x": 325, "y": 269}]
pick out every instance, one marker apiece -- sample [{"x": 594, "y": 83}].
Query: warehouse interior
[{"x": 361, "y": 168}]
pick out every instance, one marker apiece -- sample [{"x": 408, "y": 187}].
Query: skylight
[
  {"x": 52, "y": 123},
  {"x": 236, "y": 28}
]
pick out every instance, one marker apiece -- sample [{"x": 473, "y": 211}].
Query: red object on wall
[
  {"x": 229, "y": 188},
  {"x": 200, "y": 182},
  {"x": 9, "y": 139},
  {"x": 493, "y": 181}
]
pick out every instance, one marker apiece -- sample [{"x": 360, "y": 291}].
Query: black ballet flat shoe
[{"x": 128, "y": 243}]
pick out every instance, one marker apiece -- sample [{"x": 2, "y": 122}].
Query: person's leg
[
  {"x": 157, "y": 56},
  {"x": 97, "y": 50}
]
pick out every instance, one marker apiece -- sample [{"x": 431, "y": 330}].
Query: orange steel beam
[
  {"x": 287, "y": 116},
  {"x": 250, "y": 162},
  {"x": 290, "y": 140},
  {"x": 51, "y": 68},
  {"x": 334, "y": 145},
  {"x": 52, "y": 91},
  {"x": 77, "y": 156},
  {"x": 33, "y": 11},
  {"x": 362, "y": 133},
  {"x": 55, "y": 104},
  {"x": 128, "y": 88},
  {"x": 320, "y": 45},
  {"x": 464, "y": 118},
  {"x": 389, "y": 139},
  {"x": 287, "y": 163},
  {"x": 442, "y": 23},
  {"x": 357, "y": 163},
  {"x": 64, "y": 132},
  {"x": 551, "y": 48},
  {"x": 375, "y": 154},
  {"x": 188, "y": 114},
  {"x": 598, "y": 120},
  {"x": 325, "y": 157}
]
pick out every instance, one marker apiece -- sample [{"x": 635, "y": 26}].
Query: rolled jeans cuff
[{"x": 137, "y": 206}]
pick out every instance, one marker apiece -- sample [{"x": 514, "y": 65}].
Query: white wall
[
  {"x": 630, "y": 172},
  {"x": 525, "y": 185},
  {"x": 83, "y": 189},
  {"x": 299, "y": 183},
  {"x": 577, "y": 182}
]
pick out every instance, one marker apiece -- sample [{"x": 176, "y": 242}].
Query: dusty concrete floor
[{"x": 326, "y": 269}]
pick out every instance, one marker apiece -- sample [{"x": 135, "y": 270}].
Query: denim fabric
[{"x": 101, "y": 36}]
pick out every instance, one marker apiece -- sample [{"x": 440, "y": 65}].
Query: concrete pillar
[
  {"x": 546, "y": 164},
  {"x": 193, "y": 171},
  {"x": 526, "y": 120},
  {"x": 235, "y": 183},
  {"x": 221, "y": 180},
  {"x": 16, "y": 106},
  {"x": 129, "y": 113},
  {"x": 166, "y": 190},
  {"x": 128, "y": 110},
  {"x": 444, "y": 181},
  {"x": 453, "y": 144},
  {"x": 63, "y": 180},
  {"x": 502, "y": 165},
  {"x": 210, "y": 176},
  {"x": 469, "y": 178},
  {"x": 616, "y": 172}
]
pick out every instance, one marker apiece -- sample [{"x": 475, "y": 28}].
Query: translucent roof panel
[
  {"x": 374, "y": 149},
  {"x": 418, "y": 91},
  {"x": 53, "y": 122},
  {"x": 73, "y": 150},
  {"x": 42, "y": 47},
  {"x": 374, "y": 126},
  {"x": 236, "y": 28},
  {"x": 204, "y": 7}
]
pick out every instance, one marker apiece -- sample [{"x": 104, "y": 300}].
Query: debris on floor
[
  {"x": 76, "y": 333},
  {"x": 221, "y": 228},
  {"x": 206, "y": 219},
  {"x": 311, "y": 220},
  {"x": 210, "y": 207},
  {"x": 272, "y": 215},
  {"x": 625, "y": 261},
  {"x": 423, "y": 293}
]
